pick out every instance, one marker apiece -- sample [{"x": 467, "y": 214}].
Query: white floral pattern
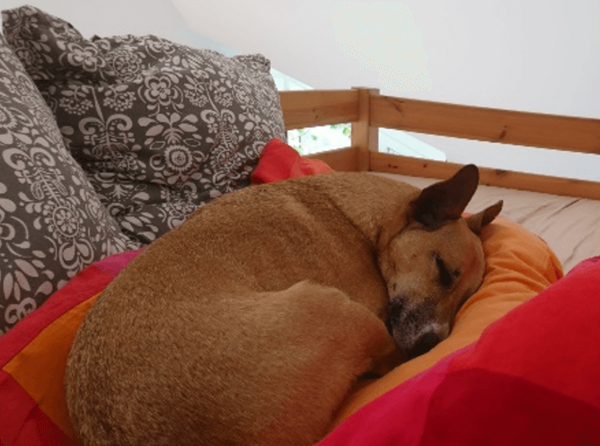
[
  {"x": 52, "y": 224},
  {"x": 159, "y": 128}
]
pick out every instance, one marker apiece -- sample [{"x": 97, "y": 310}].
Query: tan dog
[{"x": 249, "y": 324}]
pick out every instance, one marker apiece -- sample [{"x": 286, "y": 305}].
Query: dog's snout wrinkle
[
  {"x": 402, "y": 312},
  {"x": 395, "y": 311}
]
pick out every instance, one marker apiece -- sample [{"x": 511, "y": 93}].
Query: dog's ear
[
  {"x": 477, "y": 221},
  {"x": 446, "y": 200}
]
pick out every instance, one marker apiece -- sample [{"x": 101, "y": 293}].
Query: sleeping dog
[{"x": 249, "y": 323}]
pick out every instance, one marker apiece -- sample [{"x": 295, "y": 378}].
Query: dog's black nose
[{"x": 425, "y": 343}]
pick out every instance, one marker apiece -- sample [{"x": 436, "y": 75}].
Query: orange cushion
[{"x": 519, "y": 265}]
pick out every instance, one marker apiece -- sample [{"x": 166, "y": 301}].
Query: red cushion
[{"x": 279, "y": 161}]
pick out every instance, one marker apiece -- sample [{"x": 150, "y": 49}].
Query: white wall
[
  {"x": 538, "y": 55},
  {"x": 532, "y": 55}
]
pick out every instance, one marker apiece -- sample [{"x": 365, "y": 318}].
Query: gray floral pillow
[
  {"x": 52, "y": 223},
  {"x": 160, "y": 128}
]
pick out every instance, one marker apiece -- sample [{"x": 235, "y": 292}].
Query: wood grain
[
  {"x": 382, "y": 162},
  {"x": 325, "y": 107},
  {"x": 310, "y": 108},
  {"x": 487, "y": 124},
  {"x": 343, "y": 160},
  {"x": 364, "y": 136}
]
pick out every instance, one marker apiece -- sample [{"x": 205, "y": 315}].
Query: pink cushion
[{"x": 532, "y": 378}]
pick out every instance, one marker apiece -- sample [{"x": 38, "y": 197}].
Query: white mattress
[{"x": 570, "y": 226}]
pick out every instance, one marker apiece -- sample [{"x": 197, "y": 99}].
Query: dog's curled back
[{"x": 249, "y": 323}]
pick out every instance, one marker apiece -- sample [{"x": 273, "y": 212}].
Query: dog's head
[{"x": 434, "y": 263}]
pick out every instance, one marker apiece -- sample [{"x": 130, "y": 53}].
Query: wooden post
[{"x": 365, "y": 137}]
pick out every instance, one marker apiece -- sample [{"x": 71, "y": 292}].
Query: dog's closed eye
[{"x": 447, "y": 277}]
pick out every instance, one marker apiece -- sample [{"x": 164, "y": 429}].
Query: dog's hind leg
[{"x": 326, "y": 341}]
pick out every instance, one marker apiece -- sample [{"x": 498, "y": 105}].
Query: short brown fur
[{"x": 249, "y": 324}]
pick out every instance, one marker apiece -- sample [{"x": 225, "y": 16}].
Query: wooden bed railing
[{"x": 368, "y": 111}]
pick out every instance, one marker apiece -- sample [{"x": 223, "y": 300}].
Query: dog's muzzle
[{"x": 413, "y": 327}]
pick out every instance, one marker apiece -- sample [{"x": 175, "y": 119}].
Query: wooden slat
[
  {"x": 486, "y": 124},
  {"x": 381, "y": 162},
  {"x": 343, "y": 160},
  {"x": 312, "y": 108},
  {"x": 365, "y": 137}
]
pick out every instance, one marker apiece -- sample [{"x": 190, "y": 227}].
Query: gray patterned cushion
[
  {"x": 160, "y": 128},
  {"x": 52, "y": 223}
]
